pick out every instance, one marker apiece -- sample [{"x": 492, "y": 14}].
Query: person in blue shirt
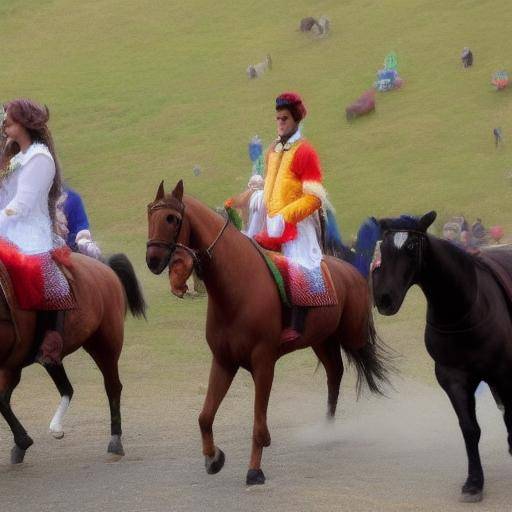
[{"x": 74, "y": 224}]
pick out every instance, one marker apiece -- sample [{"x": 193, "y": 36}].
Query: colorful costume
[
  {"x": 28, "y": 246},
  {"x": 293, "y": 193}
]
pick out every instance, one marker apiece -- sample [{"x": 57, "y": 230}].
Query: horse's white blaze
[
  {"x": 400, "y": 238},
  {"x": 56, "y": 423}
]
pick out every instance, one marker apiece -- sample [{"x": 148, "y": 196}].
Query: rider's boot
[
  {"x": 294, "y": 332},
  {"x": 50, "y": 352}
]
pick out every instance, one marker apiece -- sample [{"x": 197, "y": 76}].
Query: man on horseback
[
  {"x": 293, "y": 193},
  {"x": 30, "y": 185}
]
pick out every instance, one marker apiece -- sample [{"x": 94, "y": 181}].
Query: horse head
[
  {"x": 165, "y": 225},
  {"x": 402, "y": 252}
]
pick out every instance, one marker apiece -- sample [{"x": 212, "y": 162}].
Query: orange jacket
[{"x": 293, "y": 182}]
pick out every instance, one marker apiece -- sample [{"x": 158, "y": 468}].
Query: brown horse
[
  {"x": 103, "y": 292},
  {"x": 245, "y": 316}
]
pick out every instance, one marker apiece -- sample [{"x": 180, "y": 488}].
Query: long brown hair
[{"x": 34, "y": 118}]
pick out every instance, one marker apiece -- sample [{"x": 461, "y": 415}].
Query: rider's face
[
  {"x": 286, "y": 125},
  {"x": 13, "y": 130}
]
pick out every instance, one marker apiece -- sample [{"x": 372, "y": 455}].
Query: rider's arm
[
  {"x": 306, "y": 167},
  {"x": 34, "y": 182}
]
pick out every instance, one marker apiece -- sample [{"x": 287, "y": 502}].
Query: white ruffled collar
[
  {"x": 289, "y": 143},
  {"x": 36, "y": 148}
]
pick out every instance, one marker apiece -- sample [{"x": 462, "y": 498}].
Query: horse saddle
[
  {"x": 38, "y": 282},
  {"x": 27, "y": 322},
  {"x": 23, "y": 322},
  {"x": 297, "y": 285},
  {"x": 499, "y": 264}
]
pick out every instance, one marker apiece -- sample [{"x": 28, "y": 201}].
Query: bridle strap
[
  {"x": 200, "y": 257},
  {"x": 422, "y": 237}
]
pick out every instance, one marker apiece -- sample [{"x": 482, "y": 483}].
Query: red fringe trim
[
  {"x": 62, "y": 256},
  {"x": 275, "y": 243},
  {"x": 25, "y": 272}
]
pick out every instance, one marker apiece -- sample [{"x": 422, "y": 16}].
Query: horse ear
[
  {"x": 160, "y": 192},
  {"x": 178, "y": 191},
  {"x": 427, "y": 220},
  {"x": 383, "y": 224}
]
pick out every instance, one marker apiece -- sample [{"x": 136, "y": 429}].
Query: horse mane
[{"x": 404, "y": 222}]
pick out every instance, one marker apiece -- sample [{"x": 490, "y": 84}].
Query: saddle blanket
[
  {"x": 37, "y": 280},
  {"x": 302, "y": 286}
]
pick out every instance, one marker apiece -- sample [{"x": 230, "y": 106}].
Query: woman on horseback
[{"x": 30, "y": 185}]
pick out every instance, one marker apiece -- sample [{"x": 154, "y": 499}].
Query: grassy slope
[{"x": 143, "y": 90}]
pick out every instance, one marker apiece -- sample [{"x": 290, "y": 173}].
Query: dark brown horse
[
  {"x": 468, "y": 331},
  {"x": 245, "y": 316},
  {"x": 103, "y": 293}
]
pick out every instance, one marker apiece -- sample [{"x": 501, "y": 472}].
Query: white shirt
[{"x": 24, "y": 194}]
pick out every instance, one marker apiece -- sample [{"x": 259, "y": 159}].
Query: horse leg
[
  {"x": 8, "y": 382},
  {"x": 329, "y": 354},
  {"x": 503, "y": 392},
  {"x": 106, "y": 356},
  {"x": 59, "y": 377},
  {"x": 460, "y": 388},
  {"x": 263, "y": 376},
  {"x": 219, "y": 382}
]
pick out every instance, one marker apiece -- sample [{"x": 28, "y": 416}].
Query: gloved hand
[
  {"x": 86, "y": 245},
  {"x": 275, "y": 226}
]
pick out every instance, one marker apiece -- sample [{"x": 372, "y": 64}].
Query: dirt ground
[{"x": 399, "y": 453}]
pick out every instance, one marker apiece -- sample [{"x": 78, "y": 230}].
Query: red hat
[{"x": 292, "y": 102}]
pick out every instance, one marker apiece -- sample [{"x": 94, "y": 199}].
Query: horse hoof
[
  {"x": 17, "y": 454},
  {"x": 467, "y": 497},
  {"x": 214, "y": 464},
  {"x": 255, "y": 477},
  {"x": 115, "y": 446},
  {"x": 57, "y": 433},
  {"x": 471, "y": 493}
]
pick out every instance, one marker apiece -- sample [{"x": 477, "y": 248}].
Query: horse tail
[
  {"x": 121, "y": 265},
  {"x": 373, "y": 361}
]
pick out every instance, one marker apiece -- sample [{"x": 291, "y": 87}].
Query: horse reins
[{"x": 200, "y": 257}]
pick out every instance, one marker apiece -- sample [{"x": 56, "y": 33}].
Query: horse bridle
[
  {"x": 422, "y": 238},
  {"x": 199, "y": 257}
]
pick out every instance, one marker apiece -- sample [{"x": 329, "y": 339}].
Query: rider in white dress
[
  {"x": 30, "y": 185},
  {"x": 24, "y": 215}
]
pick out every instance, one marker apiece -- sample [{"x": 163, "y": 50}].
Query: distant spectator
[
  {"x": 479, "y": 233},
  {"x": 497, "y": 136},
  {"x": 467, "y": 57}
]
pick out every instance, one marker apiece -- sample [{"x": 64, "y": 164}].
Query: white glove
[
  {"x": 275, "y": 226},
  {"x": 86, "y": 245}
]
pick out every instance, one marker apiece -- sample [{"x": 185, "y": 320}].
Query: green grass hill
[{"x": 143, "y": 90}]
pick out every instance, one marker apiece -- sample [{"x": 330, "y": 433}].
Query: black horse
[{"x": 469, "y": 326}]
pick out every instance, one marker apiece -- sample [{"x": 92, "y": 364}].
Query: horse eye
[
  {"x": 410, "y": 245},
  {"x": 170, "y": 219}
]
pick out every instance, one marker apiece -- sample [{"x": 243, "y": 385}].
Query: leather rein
[{"x": 200, "y": 257}]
